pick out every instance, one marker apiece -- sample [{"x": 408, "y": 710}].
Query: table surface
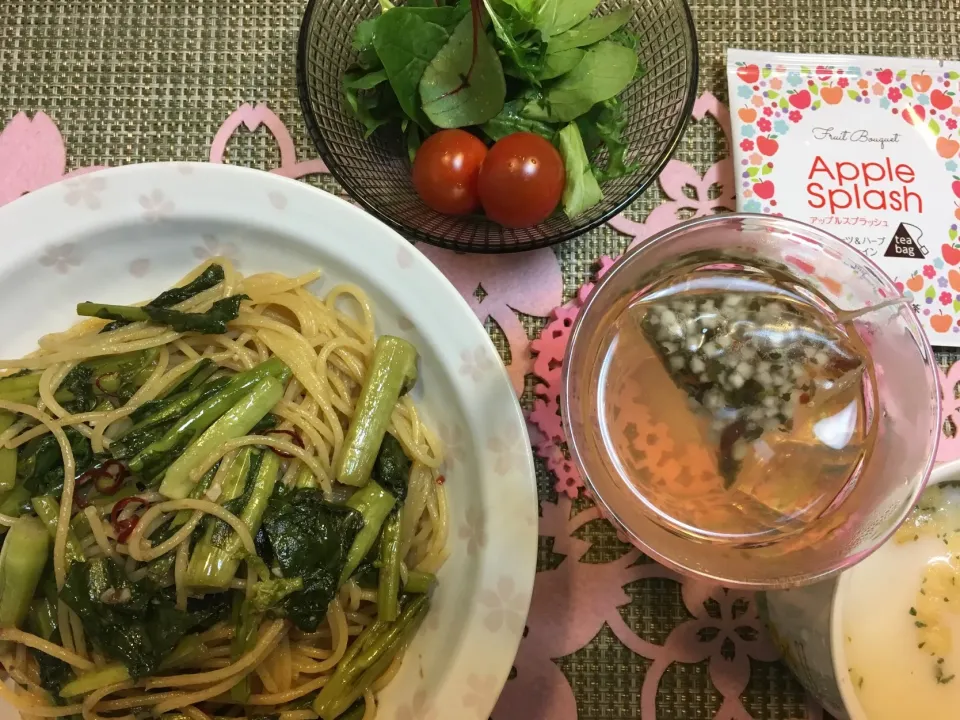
[{"x": 137, "y": 80}]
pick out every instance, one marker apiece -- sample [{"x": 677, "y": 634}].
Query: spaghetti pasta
[{"x": 178, "y": 442}]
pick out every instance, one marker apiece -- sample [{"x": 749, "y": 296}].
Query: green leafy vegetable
[
  {"x": 130, "y": 621},
  {"x": 510, "y": 120},
  {"x": 363, "y": 43},
  {"x": 560, "y": 63},
  {"x": 605, "y": 71},
  {"x": 375, "y": 108},
  {"x": 211, "y": 277},
  {"x": 40, "y": 464},
  {"x": 581, "y": 191},
  {"x": 591, "y": 30},
  {"x": 54, "y": 673},
  {"x": 79, "y": 383},
  {"x": 556, "y": 16},
  {"x": 310, "y": 538},
  {"x": 392, "y": 467},
  {"x": 626, "y": 37},
  {"x": 464, "y": 82},
  {"x": 367, "y": 81},
  {"x": 212, "y": 322},
  {"x": 406, "y": 40},
  {"x": 521, "y": 46},
  {"x": 604, "y": 127}
]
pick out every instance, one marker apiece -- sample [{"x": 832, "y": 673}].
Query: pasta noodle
[{"x": 128, "y": 407}]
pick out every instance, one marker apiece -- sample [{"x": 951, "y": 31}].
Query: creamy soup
[{"x": 901, "y": 617}]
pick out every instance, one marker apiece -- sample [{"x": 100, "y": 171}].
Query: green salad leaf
[
  {"x": 603, "y": 127},
  {"x": 463, "y": 84},
  {"x": 407, "y": 39},
  {"x": 511, "y": 120},
  {"x": 581, "y": 190},
  {"x": 604, "y": 72},
  {"x": 521, "y": 45},
  {"x": 560, "y": 63},
  {"x": 553, "y": 17},
  {"x": 590, "y": 31}
]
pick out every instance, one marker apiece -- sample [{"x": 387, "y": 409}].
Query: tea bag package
[{"x": 865, "y": 148}]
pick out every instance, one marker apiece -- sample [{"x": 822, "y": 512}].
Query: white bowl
[
  {"x": 124, "y": 234},
  {"x": 806, "y": 624}
]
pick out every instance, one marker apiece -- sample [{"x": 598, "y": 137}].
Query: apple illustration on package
[{"x": 865, "y": 148}]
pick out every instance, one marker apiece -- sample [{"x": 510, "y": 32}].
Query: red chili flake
[
  {"x": 804, "y": 398},
  {"x": 441, "y": 479},
  {"x": 294, "y": 437},
  {"x": 125, "y": 527},
  {"x": 107, "y": 477}
]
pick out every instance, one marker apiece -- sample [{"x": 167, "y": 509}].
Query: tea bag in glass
[{"x": 766, "y": 369}]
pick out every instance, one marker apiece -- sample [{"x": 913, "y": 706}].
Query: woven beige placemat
[{"x": 137, "y": 80}]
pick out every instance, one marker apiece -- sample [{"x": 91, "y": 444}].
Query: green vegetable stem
[
  {"x": 14, "y": 504},
  {"x": 153, "y": 459},
  {"x": 374, "y": 505},
  {"x": 234, "y": 423},
  {"x": 387, "y": 606},
  {"x": 217, "y": 555},
  {"x": 212, "y": 322},
  {"x": 419, "y": 582},
  {"x": 212, "y": 276},
  {"x": 48, "y": 510},
  {"x": 393, "y": 372},
  {"x": 190, "y": 649},
  {"x": 367, "y": 659},
  {"x": 8, "y": 469},
  {"x": 24, "y": 555}
]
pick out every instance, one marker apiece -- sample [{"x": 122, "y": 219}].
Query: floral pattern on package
[{"x": 865, "y": 148}]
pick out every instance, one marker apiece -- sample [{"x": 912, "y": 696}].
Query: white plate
[{"x": 124, "y": 234}]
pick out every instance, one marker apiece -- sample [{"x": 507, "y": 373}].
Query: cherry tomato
[
  {"x": 445, "y": 171},
  {"x": 521, "y": 180}
]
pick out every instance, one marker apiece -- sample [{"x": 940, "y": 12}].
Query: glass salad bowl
[{"x": 376, "y": 170}]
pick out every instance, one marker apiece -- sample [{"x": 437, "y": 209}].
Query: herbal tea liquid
[{"x": 733, "y": 403}]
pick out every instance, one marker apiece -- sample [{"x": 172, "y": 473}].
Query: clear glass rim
[{"x": 598, "y": 297}]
